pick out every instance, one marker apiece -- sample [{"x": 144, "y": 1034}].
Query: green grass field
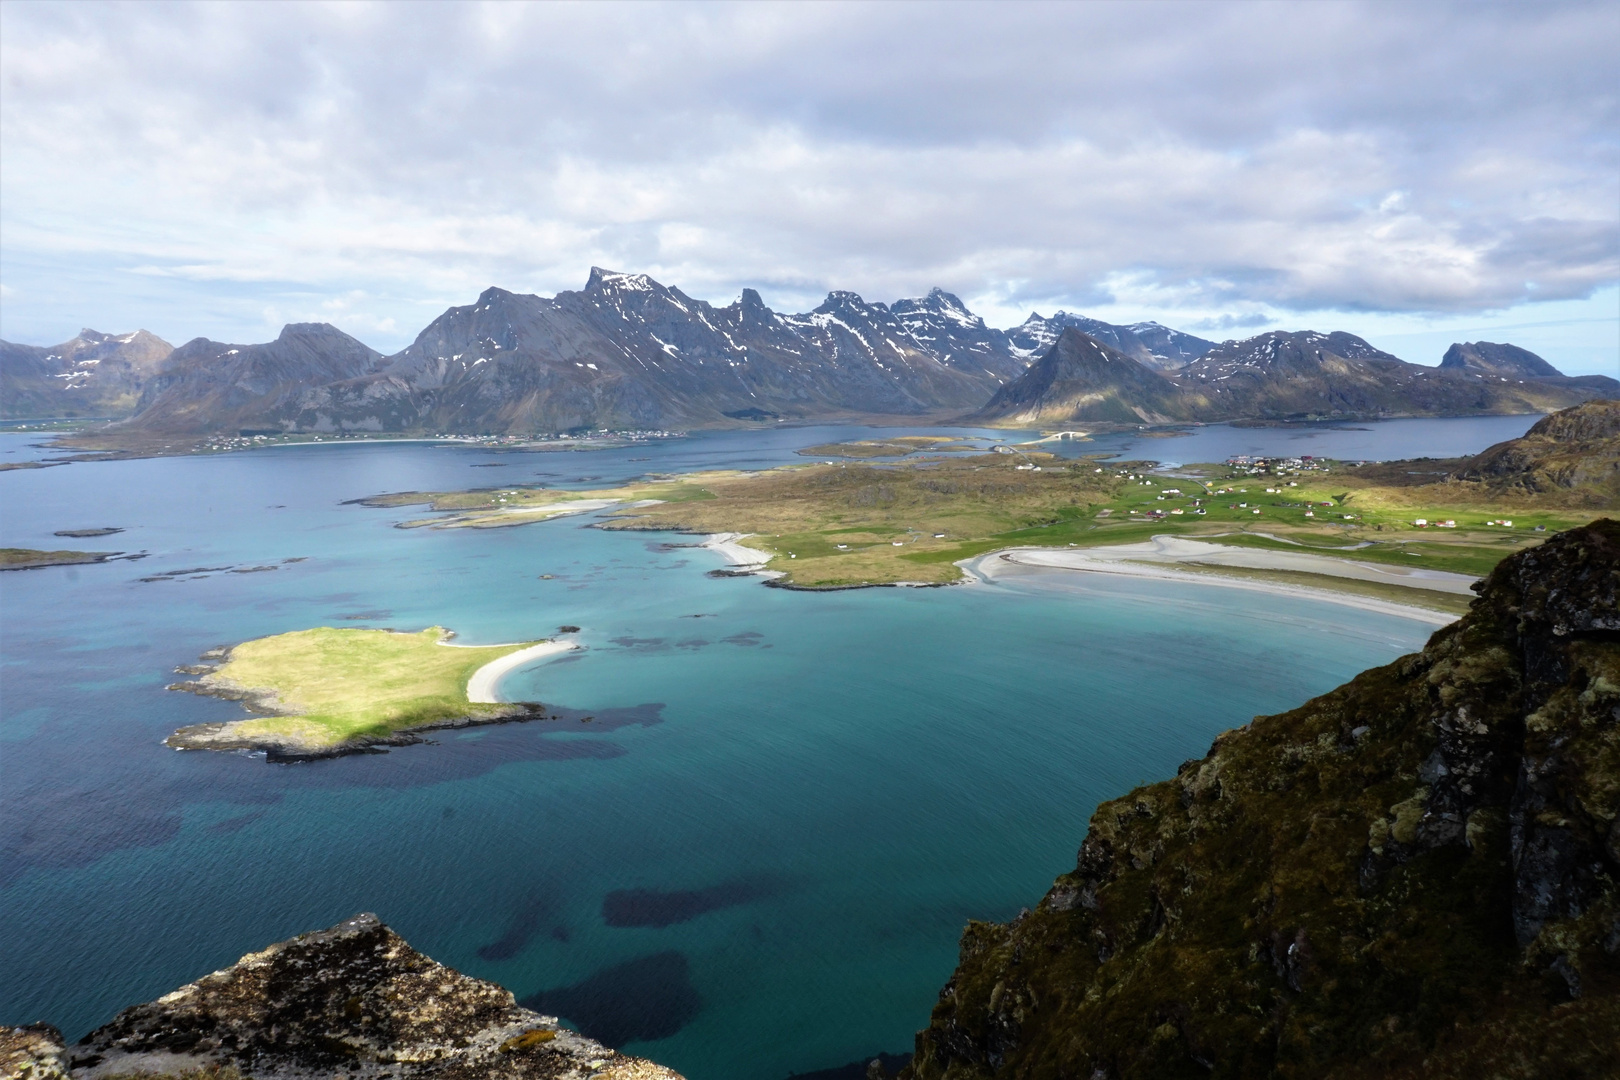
[{"x": 336, "y": 684}]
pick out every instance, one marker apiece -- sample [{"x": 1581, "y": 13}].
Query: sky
[{"x": 1417, "y": 173}]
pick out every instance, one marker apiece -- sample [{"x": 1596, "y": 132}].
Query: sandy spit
[{"x": 481, "y": 687}]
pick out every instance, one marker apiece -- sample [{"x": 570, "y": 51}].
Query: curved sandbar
[
  {"x": 481, "y": 687},
  {"x": 330, "y": 691},
  {"x": 1175, "y": 559}
]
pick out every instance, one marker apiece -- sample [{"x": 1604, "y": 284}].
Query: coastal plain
[{"x": 917, "y": 516}]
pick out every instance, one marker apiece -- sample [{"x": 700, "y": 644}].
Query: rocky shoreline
[
  {"x": 280, "y": 750},
  {"x": 354, "y": 1000},
  {"x": 1411, "y": 876}
]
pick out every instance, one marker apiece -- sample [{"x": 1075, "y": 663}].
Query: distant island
[
  {"x": 1413, "y": 533},
  {"x": 326, "y": 692}
]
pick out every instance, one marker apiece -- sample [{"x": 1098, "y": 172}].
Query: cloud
[
  {"x": 211, "y": 162},
  {"x": 1251, "y": 321}
]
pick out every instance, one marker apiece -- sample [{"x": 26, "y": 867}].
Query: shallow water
[{"x": 766, "y": 838}]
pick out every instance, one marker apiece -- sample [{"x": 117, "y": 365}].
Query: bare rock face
[
  {"x": 1414, "y": 875},
  {"x": 355, "y": 1001},
  {"x": 32, "y": 1052}
]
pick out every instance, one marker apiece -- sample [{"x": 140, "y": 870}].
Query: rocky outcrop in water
[
  {"x": 354, "y": 1001},
  {"x": 1411, "y": 876}
]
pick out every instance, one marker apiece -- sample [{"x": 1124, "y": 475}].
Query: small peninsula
[{"x": 326, "y": 692}]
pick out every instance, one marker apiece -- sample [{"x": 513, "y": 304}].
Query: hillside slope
[
  {"x": 1576, "y": 451},
  {"x": 211, "y": 386},
  {"x": 1410, "y": 876}
]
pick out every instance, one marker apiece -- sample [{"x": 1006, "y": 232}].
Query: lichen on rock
[
  {"x": 354, "y": 1001},
  {"x": 1413, "y": 875}
]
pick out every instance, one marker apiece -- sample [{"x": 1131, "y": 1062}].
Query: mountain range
[
  {"x": 1281, "y": 375},
  {"x": 628, "y": 352}
]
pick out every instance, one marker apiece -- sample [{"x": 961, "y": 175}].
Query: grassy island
[
  {"x": 30, "y": 559},
  {"x": 329, "y": 691}
]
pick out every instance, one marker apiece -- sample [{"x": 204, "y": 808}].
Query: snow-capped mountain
[
  {"x": 628, "y": 352},
  {"x": 1278, "y": 375},
  {"x": 93, "y": 374},
  {"x": 1149, "y": 344}
]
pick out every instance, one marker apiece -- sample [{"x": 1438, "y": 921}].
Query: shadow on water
[
  {"x": 640, "y": 1000},
  {"x": 857, "y": 1070},
  {"x": 51, "y": 820},
  {"x": 526, "y": 921},
  {"x": 655, "y": 908}
]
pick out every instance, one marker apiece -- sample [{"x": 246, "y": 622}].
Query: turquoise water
[{"x": 766, "y": 838}]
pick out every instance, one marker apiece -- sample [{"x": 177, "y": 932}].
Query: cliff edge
[
  {"x": 1411, "y": 876},
  {"x": 354, "y": 1001}
]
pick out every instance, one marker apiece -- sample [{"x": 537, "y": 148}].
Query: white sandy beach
[
  {"x": 481, "y": 687},
  {"x": 1159, "y": 557},
  {"x": 735, "y": 553}
]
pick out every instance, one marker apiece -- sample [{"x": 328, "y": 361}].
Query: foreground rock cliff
[
  {"x": 1411, "y": 876},
  {"x": 353, "y": 1001}
]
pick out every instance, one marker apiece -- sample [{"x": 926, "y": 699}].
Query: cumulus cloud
[{"x": 220, "y": 162}]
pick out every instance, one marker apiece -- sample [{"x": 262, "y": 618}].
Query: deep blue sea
[{"x": 756, "y": 855}]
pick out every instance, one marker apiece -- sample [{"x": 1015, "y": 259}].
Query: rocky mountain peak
[
  {"x": 841, "y": 299},
  {"x": 1491, "y": 358},
  {"x": 612, "y": 281},
  {"x": 939, "y": 305}
]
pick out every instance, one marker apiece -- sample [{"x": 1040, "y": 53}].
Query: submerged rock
[
  {"x": 1413, "y": 875},
  {"x": 354, "y": 1001}
]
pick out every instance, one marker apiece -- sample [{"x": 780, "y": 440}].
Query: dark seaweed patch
[
  {"x": 236, "y": 824},
  {"x": 651, "y": 997},
  {"x": 652, "y": 907},
  {"x": 526, "y": 921},
  {"x": 648, "y": 644}
]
